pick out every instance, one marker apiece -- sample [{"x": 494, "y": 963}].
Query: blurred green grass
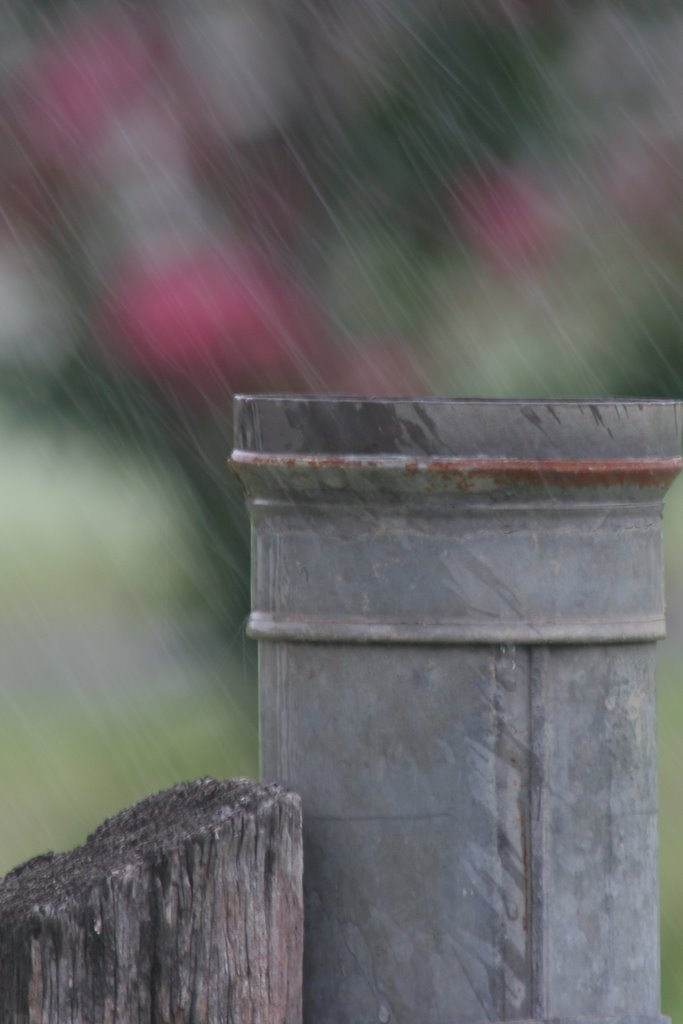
[
  {"x": 100, "y": 703},
  {"x": 83, "y": 525},
  {"x": 67, "y": 764}
]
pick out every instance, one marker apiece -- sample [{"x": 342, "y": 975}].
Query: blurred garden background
[{"x": 201, "y": 197}]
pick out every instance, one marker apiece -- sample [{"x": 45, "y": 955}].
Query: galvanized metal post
[{"x": 457, "y": 603}]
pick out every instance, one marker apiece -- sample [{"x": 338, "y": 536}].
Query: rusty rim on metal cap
[{"x": 647, "y": 472}]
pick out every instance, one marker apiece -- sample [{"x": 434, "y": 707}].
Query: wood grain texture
[{"x": 185, "y": 908}]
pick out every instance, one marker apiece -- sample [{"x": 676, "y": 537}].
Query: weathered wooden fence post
[
  {"x": 184, "y": 908},
  {"x": 457, "y": 603}
]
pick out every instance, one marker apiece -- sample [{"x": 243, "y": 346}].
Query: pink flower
[
  {"x": 210, "y": 320},
  {"x": 510, "y": 219},
  {"x": 77, "y": 80}
]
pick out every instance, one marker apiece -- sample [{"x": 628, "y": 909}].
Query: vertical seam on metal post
[{"x": 538, "y": 829}]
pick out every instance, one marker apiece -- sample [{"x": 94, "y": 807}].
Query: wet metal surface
[{"x": 460, "y": 683}]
